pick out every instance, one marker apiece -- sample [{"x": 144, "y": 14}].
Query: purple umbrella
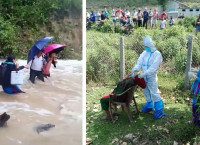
[{"x": 54, "y": 48}]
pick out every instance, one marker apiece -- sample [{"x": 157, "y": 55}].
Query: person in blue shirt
[
  {"x": 171, "y": 21},
  {"x": 11, "y": 66},
  {"x": 145, "y": 16},
  {"x": 195, "y": 104},
  {"x": 93, "y": 17},
  {"x": 107, "y": 13}
]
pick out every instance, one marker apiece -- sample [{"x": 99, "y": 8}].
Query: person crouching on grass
[
  {"x": 36, "y": 67},
  {"x": 163, "y": 24}
]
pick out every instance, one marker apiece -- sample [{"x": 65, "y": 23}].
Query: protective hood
[{"x": 149, "y": 43}]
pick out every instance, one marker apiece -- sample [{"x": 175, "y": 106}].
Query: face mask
[{"x": 148, "y": 49}]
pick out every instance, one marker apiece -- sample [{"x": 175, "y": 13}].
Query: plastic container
[{"x": 17, "y": 77}]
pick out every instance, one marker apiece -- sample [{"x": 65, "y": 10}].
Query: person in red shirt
[
  {"x": 164, "y": 15},
  {"x": 155, "y": 19},
  {"x": 118, "y": 13},
  {"x": 123, "y": 19}
]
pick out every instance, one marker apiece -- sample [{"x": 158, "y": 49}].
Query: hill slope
[{"x": 23, "y": 22}]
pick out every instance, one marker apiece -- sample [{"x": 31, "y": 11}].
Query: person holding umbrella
[
  {"x": 36, "y": 60},
  {"x": 51, "y": 51},
  {"x": 50, "y": 60},
  {"x": 36, "y": 67}
]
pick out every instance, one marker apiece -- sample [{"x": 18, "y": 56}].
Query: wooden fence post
[{"x": 122, "y": 58}]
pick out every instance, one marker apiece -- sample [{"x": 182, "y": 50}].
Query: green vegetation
[
  {"x": 174, "y": 127},
  {"x": 103, "y": 51},
  {"x": 188, "y": 21},
  {"x": 103, "y": 61},
  {"x": 23, "y": 22}
]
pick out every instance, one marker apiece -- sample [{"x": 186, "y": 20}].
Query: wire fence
[{"x": 103, "y": 55}]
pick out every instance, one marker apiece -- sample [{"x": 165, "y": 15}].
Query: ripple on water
[{"x": 8, "y": 106}]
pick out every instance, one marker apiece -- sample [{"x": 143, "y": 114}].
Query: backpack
[
  {"x": 150, "y": 14},
  {"x": 3, "y": 68},
  {"x": 145, "y": 15}
]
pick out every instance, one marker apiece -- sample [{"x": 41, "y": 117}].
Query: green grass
[{"x": 174, "y": 127}]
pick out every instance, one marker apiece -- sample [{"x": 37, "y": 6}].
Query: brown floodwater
[{"x": 57, "y": 101}]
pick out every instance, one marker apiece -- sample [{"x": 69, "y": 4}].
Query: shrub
[
  {"x": 107, "y": 27},
  {"x": 196, "y": 53},
  {"x": 174, "y": 31},
  {"x": 7, "y": 38},
  {"x": 118, "y": 30},
  {"x": 188, "y": 21},
  {"x": 180, "y": 61},
  {"x": 169, "y": 48},
  {"x": 190, "y": 29},
  {"x": 102, "y": 64},
  {"x": 172, "y": 43}
]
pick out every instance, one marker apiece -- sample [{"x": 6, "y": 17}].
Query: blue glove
[
  {"x": 159, "y": 107},
  {"x": 132, "y": 75}
]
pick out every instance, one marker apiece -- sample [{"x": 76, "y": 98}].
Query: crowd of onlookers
[{"x": 146, "y": 18}]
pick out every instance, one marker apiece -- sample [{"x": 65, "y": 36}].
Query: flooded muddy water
[{"x": 57, "y": 101}]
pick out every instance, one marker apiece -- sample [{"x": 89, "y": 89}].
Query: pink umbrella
[{"x": 54, "y": 48}]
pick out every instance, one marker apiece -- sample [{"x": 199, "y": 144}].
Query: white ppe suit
[{"x": 150, "y": 62}]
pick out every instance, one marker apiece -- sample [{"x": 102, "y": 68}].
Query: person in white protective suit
[{"x": 150, "y": 61}]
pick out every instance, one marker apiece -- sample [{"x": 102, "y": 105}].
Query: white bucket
[{"x": 17, "y": 77}]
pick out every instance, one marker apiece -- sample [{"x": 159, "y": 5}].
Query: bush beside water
[{"x": 23, "y": 22}]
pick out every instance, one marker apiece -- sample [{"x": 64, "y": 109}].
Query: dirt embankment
[{"x": 65, "y": 31}]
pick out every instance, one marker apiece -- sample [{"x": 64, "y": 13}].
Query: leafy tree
[{"x": 163, "y": 3}]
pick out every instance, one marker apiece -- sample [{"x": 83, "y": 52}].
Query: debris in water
[
  {"x": 44, "y": 127},
  {"x": 3, "y": 119}
]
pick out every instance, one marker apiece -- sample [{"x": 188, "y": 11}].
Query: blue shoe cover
[
  {"x": 148, "y": 107},
  {"x": 194, "y": 102},
  {"x": 159, "y": 107}
]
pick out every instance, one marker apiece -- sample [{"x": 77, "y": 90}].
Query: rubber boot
[
  {"x": 159, "y": 107},
  {"x": 148, "y": 107}
]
